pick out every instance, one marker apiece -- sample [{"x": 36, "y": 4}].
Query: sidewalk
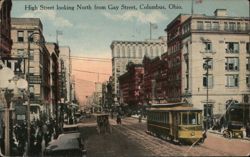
[
  {"x": 144, "y": 119},
  {"x": 220, "y": 133}
]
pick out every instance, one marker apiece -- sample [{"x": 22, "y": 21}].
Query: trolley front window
[{"x": 190, "y": 118}]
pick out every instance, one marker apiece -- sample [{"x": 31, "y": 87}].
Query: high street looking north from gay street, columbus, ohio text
[{"x": 124, "y": 78}]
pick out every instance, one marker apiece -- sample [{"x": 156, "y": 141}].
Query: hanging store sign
[{"x": 15, "y": 64}]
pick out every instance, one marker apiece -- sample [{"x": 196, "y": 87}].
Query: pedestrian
[
  {"x": 118, "y": 120},
  {"x": 140, "y": 118}
]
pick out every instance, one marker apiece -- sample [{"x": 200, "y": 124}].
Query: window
[
  {"x": 140, "y": 52},
  {"x": 190, "y": 118},
  {"x": 215, "y": 25},
  {"x": 32, "y": 69},
  {"x": 134, "y": 52},
  {"x": 248, "y": 64},
  {"x": 208, "y": 25},
  {"x": 238, "y": 26},
  {"x": 129, "y": 52},
  {"x": 232, "y": 26},
  {"x": 20, "y": 52},
  {"x": 31, "y": 38},
  {"x": 232, "y": 63},
  {"x": 157, "y": 50},
  {"x": 248, "y": 80},
  {"x": 151, "y": 52},
  {"x": 117, "y": 51},
  {"x": 208, "y": 46},
  {"x": 209, "y": 64},
  {"x": 248, "y": 47},
  {"x": 200, "y": 25},
  {"x": 232, "y": 80},
  {"x": 208, "y": 110},
  {"x": 146, "y": 51},
  {"x": 246, "y": 26},
  {"x": 20, "y": 36},
  {"x": 232, "y": 47},
  {"x": 225, "y": 26},
  {"x": 123, "y": 51},
  {"x": 31, "y": 54},
  {"x": 209, "y": 82}
]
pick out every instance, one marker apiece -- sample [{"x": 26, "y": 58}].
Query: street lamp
[
  {"x": 5, "y": 86},
  {"x": 8, "y": 84}
]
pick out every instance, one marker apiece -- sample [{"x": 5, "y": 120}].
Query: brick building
[
  {"x": 5, "y": 27},
  {"x": 131, "y": 86}
]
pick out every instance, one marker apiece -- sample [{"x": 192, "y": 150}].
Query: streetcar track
[
  {"x": 157, "y": 145},
  {"x": 152, "y": 143}
]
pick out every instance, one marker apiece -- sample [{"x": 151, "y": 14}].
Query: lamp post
[
  {"x": 28, "y": 90},
  {"x": 207, "y": 68},
  {"x": 6, "y": 89}
]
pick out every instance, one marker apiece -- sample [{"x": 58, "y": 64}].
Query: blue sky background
[{"x": 90, "y": 32}]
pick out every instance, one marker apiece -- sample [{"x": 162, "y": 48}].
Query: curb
[{"x": 218, "y": 133}]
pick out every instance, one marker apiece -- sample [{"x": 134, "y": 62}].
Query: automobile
[
  {"x": 70, "y": 128},
  {"x": 70, "y": 144}
]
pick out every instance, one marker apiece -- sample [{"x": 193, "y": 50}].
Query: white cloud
[
  {"x": 154, "y": 16},
  {"x": 49, "y": 15}
]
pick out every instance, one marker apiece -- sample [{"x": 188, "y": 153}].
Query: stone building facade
[
  {"x": 124, "y": 52},
  {"x": 38, "y": 61},
  {"x": 219, "y": 43}
]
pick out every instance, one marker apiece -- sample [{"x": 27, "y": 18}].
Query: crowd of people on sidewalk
[{"x": 39, "y": 131}]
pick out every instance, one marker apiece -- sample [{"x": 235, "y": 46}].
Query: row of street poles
[{"x": 10, "y": 85}]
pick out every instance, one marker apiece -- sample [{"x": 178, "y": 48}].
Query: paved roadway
[{"x": 130, "y": 139}]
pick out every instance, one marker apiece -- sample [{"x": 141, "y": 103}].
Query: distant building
[
  {"x": 130, "y": 83},
  {"x": 53, "y": 49},
  {"x": 124, "y": 52},
  {"x": 155, "y": 79},
  {"x": 5, "y": 27},
  {"x": 65, "y": 54},
  {"x": 219, "y": 43}
]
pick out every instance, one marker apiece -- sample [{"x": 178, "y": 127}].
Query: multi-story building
[
  {"x": 38, "y": 60},
  {"x": 208, "y": 60},
  {"x": 155, "y": 79},
  {"x": 124, "y": 52},
  {"x": 130, "y": 84},
  {"x": 54, "y": 78},
  {"x": 5, "y": 27},
  {"x": 65, "y": 54}
]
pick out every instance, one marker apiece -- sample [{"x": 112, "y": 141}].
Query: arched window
[
  {"x": 146, "y": 51},
  {"x": 140, "y": 52},
  {"x": 123, "y": 51},
  {"x": 129, "y": 52},
  {"x": 118, "y": 51},
  {"x": 134, "y": 52},
  {"x": 157, "y": 50},
  {"x": 151, "y": 52}
]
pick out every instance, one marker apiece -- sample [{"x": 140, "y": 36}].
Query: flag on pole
[
  {"x": 59, "y": 32},
  {"x": 154, "y": 26}
]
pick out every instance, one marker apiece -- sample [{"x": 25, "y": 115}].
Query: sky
[{"x": 89, "y": 33}]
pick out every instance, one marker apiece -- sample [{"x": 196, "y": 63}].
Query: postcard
[{"x": 125, "y": 78}]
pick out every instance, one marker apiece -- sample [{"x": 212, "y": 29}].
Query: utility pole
[{"x": 207, "y": 60}]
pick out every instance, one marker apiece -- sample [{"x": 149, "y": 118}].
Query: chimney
[{"x": 220, "y": 12}]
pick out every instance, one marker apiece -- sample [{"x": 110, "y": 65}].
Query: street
[{"x": 130, "y": 139}]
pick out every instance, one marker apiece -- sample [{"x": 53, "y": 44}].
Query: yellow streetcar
[{"x": 179, "y": 122}]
